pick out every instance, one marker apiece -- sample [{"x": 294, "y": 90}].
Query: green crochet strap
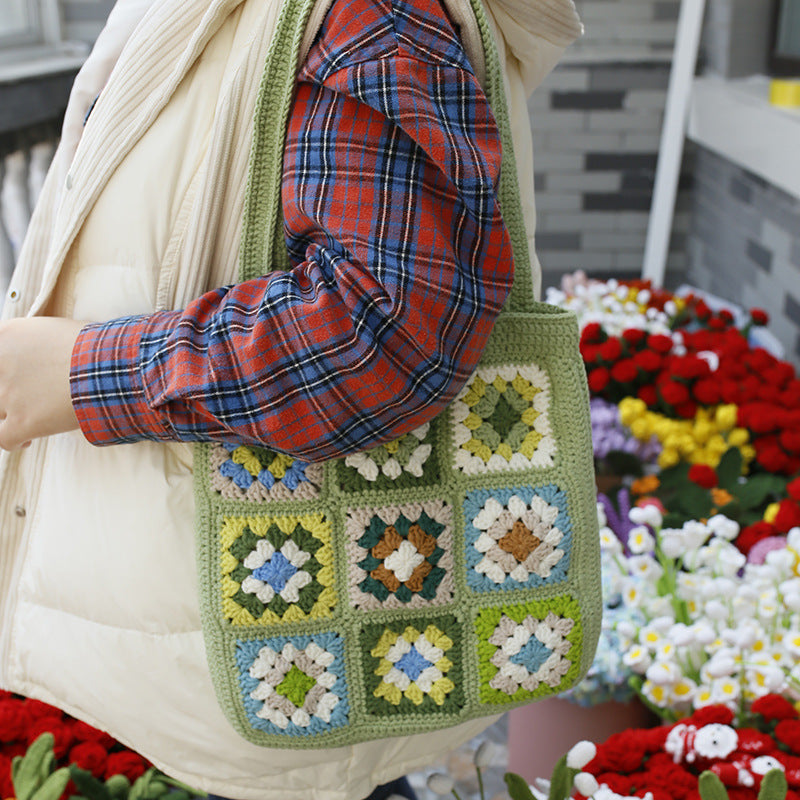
[{"x": 263, "y": 246}]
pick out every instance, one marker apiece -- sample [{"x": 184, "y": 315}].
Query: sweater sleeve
[{"x": 400, "y": 265}]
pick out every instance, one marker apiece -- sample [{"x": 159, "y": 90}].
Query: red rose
[
  {"x": 90, "y": 756},
  {"x": 774, "y": 707},
  {"x": 55, "y": 725},
  {"x": 589, "y": 352},
  {"x": 779, "y": 374},
  {"x": 717, "y": 323},
  {"x": 126, "y": 763},
  {"x": 710, "y": 715},
  {"x": 760, "y": 417},
  {"x": 729, "y": 391},
  {"x": 622, "y": 752},
  {"x": 793, "y": 489},
  {"x": 690, "y": 366},
  {"x": 86, "y": 733},
  {"x": 703, "y": 475},
  {"x": 593, "y": 333},
  {"x": 725, "y": 316},
  {"x": 621, "y": 784},
  {"x": 686, "y": 410},
  {"x": 648, "y": 395},
  {"x": 36, "y": 709},
  {"x": 598, "y": 379},
  {"x": 6, "y": 786},
  {"x": 788, "y": 516},
  {"x": 624, "y": 371},
  {"x": 673, "y": 393},
  {"x": 659, "y": 342},
  {"x": 706, "y": 391},
  {"x": 610, "y": 350},
  {"x": 14, "y": 719},
  {"x": 634, "y": 336},
  {"x": 648, "y": 360},
  {"x": 790, "y": 440},
  {"x": 788, "y": 732},
  {"x": 753, "y": 534},
  {"x": 772, "y": 458},
  {"x": 768, "y": 393},
  {"x": 759, "y": 316},
  {"x": 701, "y": 310}
]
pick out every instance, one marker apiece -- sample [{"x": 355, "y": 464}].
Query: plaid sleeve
[{"x": 401, "y": 263}]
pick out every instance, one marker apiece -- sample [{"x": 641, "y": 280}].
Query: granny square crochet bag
[{"x": 450, "y": 574}]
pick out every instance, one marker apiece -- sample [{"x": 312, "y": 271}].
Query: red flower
[
  {"x": 6, "y": 786},
  {"x": 621, "y": 784},
  {"x": 707, "y": 391},
  {"x": 90, "y": 756},
  {"x": 701, "y": 310},
  {"x": 729, "y": 391},
  {"x": 793, "y": 489},
  {"x": 589, "y": 352},
  {"x": 624, "y": 371},
  {"x": 598, "y": 379},
  {"x": 759, "y": 316},
  {"x": 717, "y": 323},
  {"x": 610, "y": 350},
  {"x": 790, "y": 440},
  {"x": 725, "y": 316},
  {"x": 753, "y": 534},
  {"x": 673, "y": 393},
  {"x": 648, "y": 360},
  {"x": 703, "y": 475},
  {"x": 634, "y": 336},
  {"x": 772, "y": 458},
  {"x": 36, "y": 708},
  {"x": 788, "y": 516},
  {"x": 55, "y": 725},
  {"x": 774, "y": 707},
  {"x": 14, "y": 719},
  {"x": 86, "y": 733},
  {"x": 690, "y": 366},
  {"x": 648, "y": 394},
  {"x": 593, "y": 333},
  {"x": 709, "y": 715},
  {"x": 659, "y": 342},
  {"x": 686, "y": 410},
  {"x": 622, "y": 752},
  {"x": 126, "y": 763},
  {"x": 788, "y": 732}
]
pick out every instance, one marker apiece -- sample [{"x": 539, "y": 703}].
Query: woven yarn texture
[{"x": 450, "y": 574}]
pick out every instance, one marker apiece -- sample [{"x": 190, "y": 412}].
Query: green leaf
[
  {"x": 88, "y": 785},
  {"x": 774, "y": 786},
  {"x": 730, "y": 468},
  {"x": 623, "y": 463},
  {"x": 53, "y": 786},
  {"x": 695, "y": 500},
  {"x": 518, "y": 787},
  {"x": 758, "y": 489},
  {"x": 674, "y": 477},
  {"x": 118, "y": 787},
  {"x": 561, "y": 781},
  {"x": 711, "y": 787},
  {"x": 30, "y": 775}
]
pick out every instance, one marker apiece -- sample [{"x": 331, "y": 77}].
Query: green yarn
[{"x": 395, "y": 628}]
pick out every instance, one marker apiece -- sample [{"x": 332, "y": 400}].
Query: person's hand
[{"x": 35, "y": 358}]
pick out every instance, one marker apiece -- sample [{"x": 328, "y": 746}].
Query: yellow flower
[
  {"x": 726, "y": 416},
  {"x": 771, "y": 512},
  {"x": 669, "y": 457},
  {"x": 738, "y": 436}
]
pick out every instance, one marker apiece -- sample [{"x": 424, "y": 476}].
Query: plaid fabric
[{"x": 400, "y": 264}]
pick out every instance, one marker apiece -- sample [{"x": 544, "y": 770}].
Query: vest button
[
  {"x": 20, "y": 511},
  {"x": 13, "y": 295}
]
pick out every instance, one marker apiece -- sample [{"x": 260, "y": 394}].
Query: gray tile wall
[
  {"x": 744, "y": 244},
  {"x": 596, "y": 123},
  {"x": 84, "y": 19}
]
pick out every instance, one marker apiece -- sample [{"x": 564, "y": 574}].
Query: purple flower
[{"x": 618, "y": 521}]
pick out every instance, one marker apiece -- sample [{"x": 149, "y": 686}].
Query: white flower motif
[
  {"x": 586, "y": 783},
  {"x": 640, "y": 540},
  {"x": 581, "y": 754},
  {"x": 638, "y": 659},
  {"x": 723, "y": 527},
  {"x": 715, "y": 741}
]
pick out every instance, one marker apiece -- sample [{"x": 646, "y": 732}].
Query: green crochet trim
[{"x": 441, "y": 577}]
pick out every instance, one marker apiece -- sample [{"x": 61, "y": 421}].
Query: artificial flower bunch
[
  {"x": 72, "y": 758},
  {"x": 711, "y": 628},
  {"x": 706, "y": 756},
  {"x": 682, "y": 361}
]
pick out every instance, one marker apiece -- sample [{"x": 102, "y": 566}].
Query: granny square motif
[{"x": 449, "y": 574}]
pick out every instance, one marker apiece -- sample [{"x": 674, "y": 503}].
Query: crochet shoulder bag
[{"x": 450, "y": 574}]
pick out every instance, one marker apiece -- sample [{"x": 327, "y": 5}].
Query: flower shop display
[{"x": 46, "y": 755}]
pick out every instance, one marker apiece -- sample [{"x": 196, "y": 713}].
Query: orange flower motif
[
  {"x": 720, "y": 497},
  {"x": 646, "y": 485}
]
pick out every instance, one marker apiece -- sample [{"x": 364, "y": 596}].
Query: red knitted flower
[
  {"x": 774, "y": 707},
  {"x": 598, "y": 379},
  {"x": 673, "y": 393},
  {"x": 647, "y": 394},
  {"x": 753, "y": 534},
  {"x": 90, "y": 756},
  {"x": 648, "y": 360},
  {"x": 659, "y": 342},
  {"x": 759, "y": 316},
  {"x": 624, "y": 371},
  {"x": 126, "y": 763},
  {"x": 793, "y": 489},
  {"x": 707, "y": 391},
  {"x": 593, "y": 333},
  {"x": 610, "y": 350},
  {"x": 788, "y": 732},
  {"x": 634, "y": 336},
  {"x": 703, "y": 475},
  {"x": 788, "y": 516}
]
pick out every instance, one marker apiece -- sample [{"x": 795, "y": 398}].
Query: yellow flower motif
[
  {"x": 771, "y": 512},
  {"x": 726, "y": 416},
  {"x": 668, "y": 458}
]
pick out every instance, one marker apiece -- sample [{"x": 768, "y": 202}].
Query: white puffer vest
[{"x": 98, "y": 592}]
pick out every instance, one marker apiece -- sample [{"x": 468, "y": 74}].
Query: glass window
[
  {"x": 788, "y": 34},
  {"x": 19, "y": 22}
]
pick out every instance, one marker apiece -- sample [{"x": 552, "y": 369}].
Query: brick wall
[
  {"x": 597, "y": 125},
  {"x": 743, "y": 244}
]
